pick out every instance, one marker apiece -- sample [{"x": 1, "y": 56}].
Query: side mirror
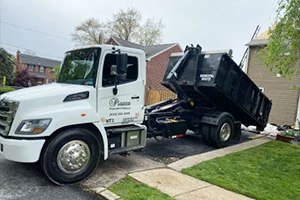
[
  {"x": 121, "y": 67},
  {"x": 121, "y": 70}
]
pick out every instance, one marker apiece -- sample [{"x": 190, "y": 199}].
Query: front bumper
[{"x": 21, "y": 150}]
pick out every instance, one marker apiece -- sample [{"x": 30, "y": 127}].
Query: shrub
[
  {"x": 6, "y": 89},
  {"x": 23, "y": 79}
]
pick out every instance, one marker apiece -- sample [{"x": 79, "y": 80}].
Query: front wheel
[
  {"x": 70, "y": 156},
  {"x": 221, "y": 135}
]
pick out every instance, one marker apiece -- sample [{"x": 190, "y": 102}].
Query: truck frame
[{"x": 96, "y": 108}]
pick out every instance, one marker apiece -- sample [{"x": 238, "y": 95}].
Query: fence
[{"x": 153, "y": 96}]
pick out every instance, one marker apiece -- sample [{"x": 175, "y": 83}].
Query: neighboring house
[
  {"x": 157, "y": 60},
  {"x": 286, "y": 101},
  {"x": 39, "y": 68}
]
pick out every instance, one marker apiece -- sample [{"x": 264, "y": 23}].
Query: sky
[{"x": 45, "y": 26}]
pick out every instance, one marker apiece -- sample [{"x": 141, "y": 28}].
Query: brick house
[
  {"x": 286, "y": 101},
  {"x": 39, "y": 68},
  {"x": 157, "y": 60}
]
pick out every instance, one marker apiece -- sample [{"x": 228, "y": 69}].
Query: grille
[{"x": 7, "y": 113}]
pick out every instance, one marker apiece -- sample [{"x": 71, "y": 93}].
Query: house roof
[
  {"x": 150, "y": 51},
  {"x": 260, "y": 40},
  {"x": 35, "y": 60}
]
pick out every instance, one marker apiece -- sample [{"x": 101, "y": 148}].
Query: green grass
[
  {"x": 130, "y": 189},
  {"x": 269, "y": 171}
]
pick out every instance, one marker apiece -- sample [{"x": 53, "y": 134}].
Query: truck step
[{"x": 126, "y": 138}]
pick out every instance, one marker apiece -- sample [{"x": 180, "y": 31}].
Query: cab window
[{"x": 110, "y": 62}]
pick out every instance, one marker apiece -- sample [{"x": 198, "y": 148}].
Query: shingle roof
[
  {"x": 149, "y": 50},
  {"x": 260, "y": 42},
  {"x": 35, "y": 60}
]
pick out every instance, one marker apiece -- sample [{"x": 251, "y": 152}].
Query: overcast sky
[{"x": 213, "y": 24}]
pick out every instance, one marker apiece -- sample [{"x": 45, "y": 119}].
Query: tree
[
  {"x": 90, "y": 32},
  {"x": 23, "y": 79},
  {"x": 55, "y": 71},
  {"x": 6, "y": 66},
  {"x": 150, "y": 33},
  {"x": 282, "y": 54},
  {"x": 126, "y": 24}
]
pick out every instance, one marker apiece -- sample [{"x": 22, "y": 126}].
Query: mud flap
[{"x": 237, "y": 131}]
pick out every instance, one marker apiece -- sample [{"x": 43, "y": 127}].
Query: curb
[
  {"x": 196, "y": 159},
  {"x": 105, "y": 193}
]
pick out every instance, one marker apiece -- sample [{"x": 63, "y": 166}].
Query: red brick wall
[
  {"x": 19, "y": 65},
  {"x": 156, "y": 68},
  {"x": 36, "y": 68},
  {"x": 49, "y": 74}
]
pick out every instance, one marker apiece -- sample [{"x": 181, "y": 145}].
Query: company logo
[
  {"x": 116, "y": 102},
  {"x": 113, "y": 102},
  {"x": 207, "y": 77}
]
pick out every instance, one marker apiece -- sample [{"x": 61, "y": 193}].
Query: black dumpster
[{"x": 215, "y": 80}]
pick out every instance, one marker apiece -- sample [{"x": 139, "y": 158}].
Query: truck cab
[{"x": 96, "y": 108}]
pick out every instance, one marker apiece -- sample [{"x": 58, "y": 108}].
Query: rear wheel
[
  {"x": 221, "y": 135},
  {"x": 70, "y": 156}
]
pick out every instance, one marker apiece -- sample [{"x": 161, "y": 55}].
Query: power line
[
  {"x": 18, "y": 47},
  {"x": 33, "y": 30}
]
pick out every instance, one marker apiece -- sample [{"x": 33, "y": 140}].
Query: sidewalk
[
  {"x": 180, "y": 186},
  {"x": 184, "y": 187}
]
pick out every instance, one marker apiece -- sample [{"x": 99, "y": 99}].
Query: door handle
[{"x": 135, "y": 97}]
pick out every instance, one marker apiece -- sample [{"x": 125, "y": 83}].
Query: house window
[
  {"x": 30, "y": 68},
  {"x": 42, "y": 69},
  {"x": 110, "y": 62}
]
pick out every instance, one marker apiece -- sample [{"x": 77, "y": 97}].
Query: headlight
[{"x": 35, "y": 126}]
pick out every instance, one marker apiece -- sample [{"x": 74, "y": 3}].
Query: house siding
[
  {"x": 156, "y": 68},
  {"x": 279, "y": 90}
]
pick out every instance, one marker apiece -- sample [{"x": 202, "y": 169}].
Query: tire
[
  {"x": 221, "y": 135},
  {"x": 204, "y": 131},
  {"x": 70, "y": 156}
]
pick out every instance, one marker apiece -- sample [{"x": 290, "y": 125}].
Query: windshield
[{"x": 80, "y": 67}]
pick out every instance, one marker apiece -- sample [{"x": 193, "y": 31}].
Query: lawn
[
  {"x": 130, "y": 189},
  {"x": 269, "y": 171}
]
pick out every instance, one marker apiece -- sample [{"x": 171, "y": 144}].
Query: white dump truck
[{"x": 96, "y": 109}]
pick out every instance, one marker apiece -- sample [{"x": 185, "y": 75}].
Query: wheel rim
[
  {"x": 73, "y": 157},
  {"x": 225, "y": 132}
]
